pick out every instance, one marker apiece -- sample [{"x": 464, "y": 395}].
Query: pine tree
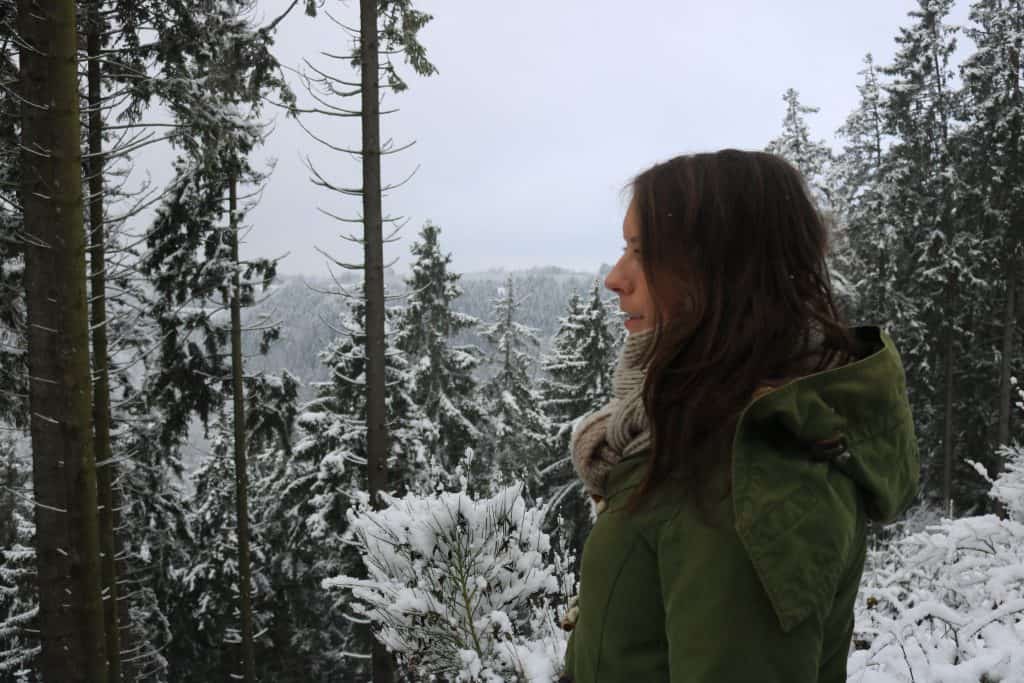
[
  {"x": 441, "y": 373},
  {"x": 223, "y": 128},
  {"x": 993, "y": 142},
  {"x": 19, "y": 607},
  {"x": 64, "y": 478},
  {"x": 579, "y": 381},
  {"x": 386, "y": 28},
  {"x": 579, "y": 366},
  {"x": 13, "y": 367},
  {"x": 935, "y": 267},
  {"x": 308, "y": 491},
  {"x": 860, "y": 200},
  {"x": 516, "y": 437},
  {"x": 211, "y": 582},
  {"x": 811, "y": 157}
]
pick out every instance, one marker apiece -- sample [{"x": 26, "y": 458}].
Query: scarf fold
[{"x": 619, "y": 429}]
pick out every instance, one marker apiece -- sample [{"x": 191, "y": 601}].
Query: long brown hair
[{"x": 733, "y": 250}]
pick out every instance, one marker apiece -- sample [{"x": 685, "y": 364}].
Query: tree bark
[
  {"x": 947, "y": 434},
  {"x": 64, "y": 466},
  {"x": 109, "y": 502},
  {"x": 241, "y": 469},
  {"x": 1009, "y": 337},
  {"x": 373, "y": 246}
]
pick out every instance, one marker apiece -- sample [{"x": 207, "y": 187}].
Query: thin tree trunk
[
  {"x": 64, "y": 466},
  {"x": 1009, "y": 337},
  {"x": 241, "y": 471},
  {"x": 373, "y": 245},
  {"x": 508, "y": 330},
  {"x": 947, "y": 434},
  {"x": 106, "y": 471}
]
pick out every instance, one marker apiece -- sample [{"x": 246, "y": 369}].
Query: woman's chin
[{"x": 635, "y": 325}]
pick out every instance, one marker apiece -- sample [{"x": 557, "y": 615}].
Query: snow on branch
[{"x": 463, "y": 589}]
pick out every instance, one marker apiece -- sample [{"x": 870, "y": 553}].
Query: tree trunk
[
  {"x": 109, "y": 503},
  {"x": 63, "y": 462},
  {"x": 947, "y": 434},
  {"x": 373, "y": 245},
  {"x": 1009, "y": 337},
  {"x": 241, "y": 471}
]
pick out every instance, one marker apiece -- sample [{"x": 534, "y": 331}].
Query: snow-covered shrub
[
  {"x": 462, "y": 589},
  {"x": 945, "y": 605}
]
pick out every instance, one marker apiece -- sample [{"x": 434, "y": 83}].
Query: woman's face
[{"x": 627, "y": 280}]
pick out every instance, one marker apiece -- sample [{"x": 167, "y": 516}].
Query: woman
[{"x": 751, "y": 437}]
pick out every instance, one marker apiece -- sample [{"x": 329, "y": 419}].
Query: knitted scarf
[{"x": 620, "y": 429}]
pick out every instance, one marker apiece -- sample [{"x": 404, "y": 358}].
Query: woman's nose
[{"x": 614, "y": 281}]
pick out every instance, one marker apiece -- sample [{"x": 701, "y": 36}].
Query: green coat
[{"x": 767, "y": 594}]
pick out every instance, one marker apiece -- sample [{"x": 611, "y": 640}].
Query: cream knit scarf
[{"x": 619, "y": 429}]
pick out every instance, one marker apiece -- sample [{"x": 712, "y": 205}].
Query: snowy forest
[{"x": 211, "y": 472}]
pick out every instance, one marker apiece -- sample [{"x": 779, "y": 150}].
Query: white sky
[{"x": 543, "y": 109}]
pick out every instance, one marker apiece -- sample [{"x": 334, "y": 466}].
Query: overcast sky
[{"x": 543, "y": 109}]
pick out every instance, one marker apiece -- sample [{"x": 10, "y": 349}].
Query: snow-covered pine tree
[
  {"x": 386, "y": 28},
  {"x": 578, "y": 380},
  {"x": 188, "y": 257},
  {"x": 859, "y": 200},
  {"x": 308, "y": 491},
  {"x": 813, "y": 158},
  {"x": 993, "y": 171},
  {"x": 210, "y": 580},
  {"x": 13, "y": 368},
  {"x": 19, "y": 606},
  {"x": 193, "y": 257},
  {"x": 442, "y": 373},
  {"x": 462, "y": 589},
  {"x": 935, "y": 262},
  {"x": 578, "y": 368},
  {"x": 516, "y": 438},
  {"x": 19, "y": 602},
  {"x": 794, "y": 143},
  {"x": 209, "y": 601},
  {"x": 155, "y": 533}
]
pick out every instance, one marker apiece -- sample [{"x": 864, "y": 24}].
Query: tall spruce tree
[
  {"x": 993, "y": 152},
  {"x": 441, "y": 373},
  {"x": 211, "y": 584},
  {"x": 578, "y": 381},
  {"x": 193, "y": 260},
  {"x": 517, "y": 433},
  {"x": 935, "y": 242},
  {"x": 64, "y": 477},
  {"x": 811, "y": 157},
  {"x": 860, "y": 203},
  {"x": 386, "y": 28},
  {"x": 578, "y": 368},
  {"x": 19, "y": 602},
  {"x": 310, "y": 489},
  {"x": 19, "y": 607}
]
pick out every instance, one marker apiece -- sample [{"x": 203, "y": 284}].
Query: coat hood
[{"x": 796, "y": 506}]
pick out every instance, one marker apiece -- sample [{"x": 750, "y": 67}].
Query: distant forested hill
[{"x": 307, "y": 311}]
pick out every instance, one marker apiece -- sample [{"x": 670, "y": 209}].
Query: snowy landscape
[{"x": 218, "y": 464}]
